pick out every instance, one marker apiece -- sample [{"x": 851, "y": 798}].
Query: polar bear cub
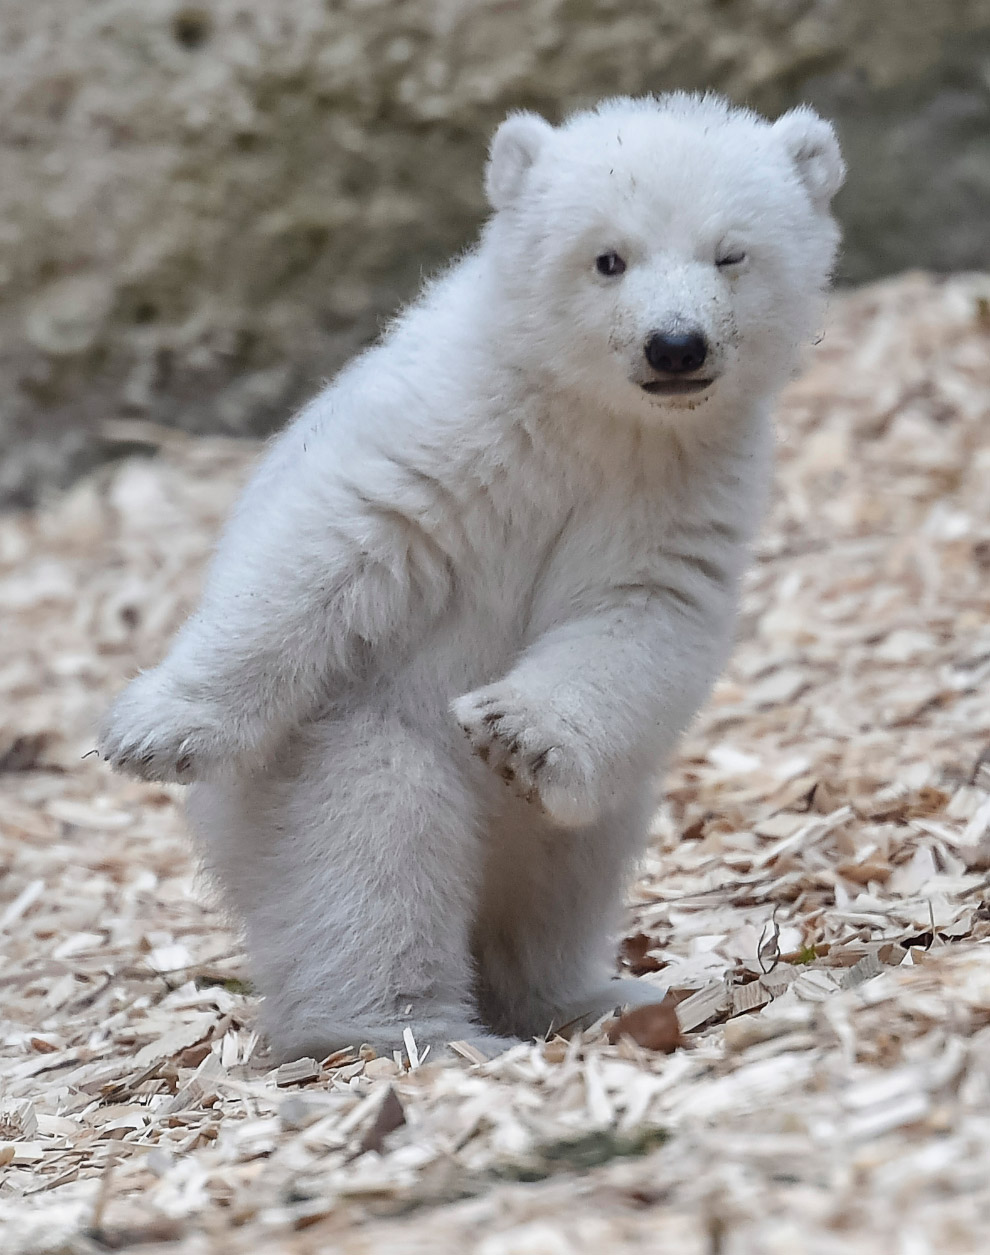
[{"x": 480, "y": 585}]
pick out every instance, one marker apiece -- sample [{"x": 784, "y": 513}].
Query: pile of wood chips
[{"x": 816, "y": 897}]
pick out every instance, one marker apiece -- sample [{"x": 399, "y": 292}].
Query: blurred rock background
[{"x": 204, "y": 208}]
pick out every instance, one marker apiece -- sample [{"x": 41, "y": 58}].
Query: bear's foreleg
[
  {"x": 594, "y": 704},
  {"x": 290, "y": 614}
]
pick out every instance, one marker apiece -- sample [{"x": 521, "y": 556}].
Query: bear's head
[{"x": 664, "y": 253}]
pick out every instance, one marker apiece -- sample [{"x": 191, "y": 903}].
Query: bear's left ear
[
  {"x": 513, "y": 150},
  {"x": 814, "y": 149}
]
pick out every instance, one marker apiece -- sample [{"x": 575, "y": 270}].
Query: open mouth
[{"x": 676, "y": 387}]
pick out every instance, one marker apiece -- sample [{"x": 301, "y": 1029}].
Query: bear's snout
[{"x": 676, "y": 353}]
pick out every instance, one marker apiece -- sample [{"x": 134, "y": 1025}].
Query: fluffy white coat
[{"x": 477, "y": 589}]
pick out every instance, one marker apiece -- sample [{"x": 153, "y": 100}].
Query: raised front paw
[
  {"x": 155, "y": 733},
  {"x": 534, "y": 752}
]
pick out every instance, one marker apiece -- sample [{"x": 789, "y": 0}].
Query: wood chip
[
  {"x": 703, "y": 1006},
  {"x": 836, "y": 788},
  {"x": 297, "y": 1072}
]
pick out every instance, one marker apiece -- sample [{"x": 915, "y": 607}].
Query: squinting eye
[
  {"x": 732, "y": 259},
  {"x": 610, "y": 264}
]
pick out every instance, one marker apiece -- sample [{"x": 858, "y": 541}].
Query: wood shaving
[{"x": 815, "y": 897}]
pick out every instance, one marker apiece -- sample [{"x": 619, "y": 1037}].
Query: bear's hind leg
[
  {"x": 355, "y": 869},
  {"x": 551, "y": 912}
]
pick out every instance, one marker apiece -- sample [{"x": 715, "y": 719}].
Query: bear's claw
[{"x": 528, "y": 752}]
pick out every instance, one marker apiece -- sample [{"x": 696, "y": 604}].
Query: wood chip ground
[{"x": 816, "y": 896}]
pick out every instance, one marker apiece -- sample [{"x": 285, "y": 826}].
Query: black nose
[{"x": 675, "y": 353}]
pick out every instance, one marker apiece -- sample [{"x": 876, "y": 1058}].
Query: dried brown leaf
[
  {"x": 654, "y": 1027},
  {"x": 389, "y": 1117}
]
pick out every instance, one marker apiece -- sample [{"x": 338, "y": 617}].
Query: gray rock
[{"x": 205, "y": 208}]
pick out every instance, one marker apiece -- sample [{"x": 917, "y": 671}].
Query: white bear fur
[{"x": 478, "y": 588}]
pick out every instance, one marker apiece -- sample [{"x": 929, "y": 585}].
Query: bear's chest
[{"x": 548, "y": 558}]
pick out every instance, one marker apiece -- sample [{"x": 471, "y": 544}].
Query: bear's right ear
[{"x": 513, "y": 150}]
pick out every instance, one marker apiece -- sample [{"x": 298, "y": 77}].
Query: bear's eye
[
  {"x": 734, "y": 258},
  {"x": 610, "y": 264}
]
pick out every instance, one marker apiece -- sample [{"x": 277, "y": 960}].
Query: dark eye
[
  {"x": 735, "y": 258},
  {"x": 610, "y": 264}
]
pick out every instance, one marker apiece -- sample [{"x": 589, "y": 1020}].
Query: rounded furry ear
[
  {"x": 812, "y": 146},
  {"x": 513, "y": 150}
]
